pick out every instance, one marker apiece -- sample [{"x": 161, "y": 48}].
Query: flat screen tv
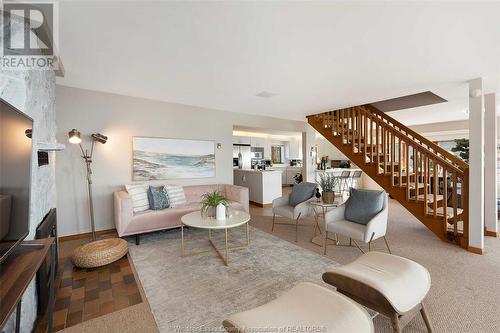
[{"x": 15, "y": 177}]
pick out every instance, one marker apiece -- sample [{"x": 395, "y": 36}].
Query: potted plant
[
  {"x": 328, "y": 182},
  {"x": 210, "y": 201},
  {"x": 298, "y": 178}
]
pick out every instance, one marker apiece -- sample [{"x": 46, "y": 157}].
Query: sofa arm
[
  {"x": 238, "y": 194},
  {"x": 124, "y": 211}
]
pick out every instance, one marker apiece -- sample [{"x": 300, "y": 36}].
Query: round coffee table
[{"x": 196, "y": 220}]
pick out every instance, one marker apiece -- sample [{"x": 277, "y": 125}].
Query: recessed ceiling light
[{"x": 266, "y": 94}]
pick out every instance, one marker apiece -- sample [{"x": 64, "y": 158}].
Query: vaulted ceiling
[{"x": 314, "y": 56}]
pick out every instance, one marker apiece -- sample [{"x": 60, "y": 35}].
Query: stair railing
[{"x": 426, "y": 172}]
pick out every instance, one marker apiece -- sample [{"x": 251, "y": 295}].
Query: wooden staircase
[{"x": 406, "y": 165}]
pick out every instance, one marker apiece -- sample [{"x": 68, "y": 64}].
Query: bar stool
[
  {"x": 344, "y": 181},
  {"x": 355, "y": 176}
]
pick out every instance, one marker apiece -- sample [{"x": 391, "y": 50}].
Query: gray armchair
[{"x": 295, "y": 205}]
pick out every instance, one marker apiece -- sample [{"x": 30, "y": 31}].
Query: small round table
[
  {"x": 196, "y": 220},
  {"x": 324, "y": 208}
]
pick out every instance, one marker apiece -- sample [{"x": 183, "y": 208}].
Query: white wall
[
  {"x": 120, "y": 118},
  {"x": 325, "y": 148}
]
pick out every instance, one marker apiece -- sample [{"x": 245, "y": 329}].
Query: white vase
[{"x": 220, "y": 213}]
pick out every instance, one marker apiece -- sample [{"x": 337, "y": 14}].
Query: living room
[{"x": 267, "y": 166}]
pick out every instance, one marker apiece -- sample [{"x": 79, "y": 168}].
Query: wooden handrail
[{"x": 419, "y": 137}]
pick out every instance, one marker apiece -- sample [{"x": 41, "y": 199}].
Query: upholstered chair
[
  {"x": 359, "y": 218},
  {"x": 391, "y": 285},
  {"x": 295, "y": 205}
]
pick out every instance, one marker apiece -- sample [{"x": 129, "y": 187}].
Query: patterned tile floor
[{"x": 84, "y": 294}]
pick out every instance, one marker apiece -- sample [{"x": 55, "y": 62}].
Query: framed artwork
[{"x": 162, "y": 158}]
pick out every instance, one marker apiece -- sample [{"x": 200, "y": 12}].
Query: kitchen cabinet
[
  {"x": 290, "y": 173},
  {"x": 295, "y": 149},
  {"x": 242, "y": 140}
]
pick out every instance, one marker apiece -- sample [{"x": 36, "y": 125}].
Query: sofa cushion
[
  {"x": 363, "y": 205},
  {"x": 175, "y": 194},
  {"x": 157, "y": 198},
  {"x": 301, "y": 192},
  {"x": 139, "y": 196}
]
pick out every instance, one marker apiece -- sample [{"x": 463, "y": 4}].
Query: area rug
[{"x": 196, "y": 293}]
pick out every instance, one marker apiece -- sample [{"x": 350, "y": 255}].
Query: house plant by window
[
  {"x": 210, "y": 201},
  {"x": 328, "y": 182},
  {"x": 462, "y": 148}
]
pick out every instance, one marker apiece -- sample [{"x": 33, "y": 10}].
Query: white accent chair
[
  {"x": 337, "y": 224},
  {"x": 305, "y": 308},
  {"x": 282, "y": 207}
]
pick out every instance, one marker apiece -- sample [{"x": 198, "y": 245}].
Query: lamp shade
[
  {"x": 74, "y": 137},
  {"x": 98, "y": 137}
]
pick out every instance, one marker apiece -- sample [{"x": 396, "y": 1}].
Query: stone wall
[{"x": 33, "y": 92}]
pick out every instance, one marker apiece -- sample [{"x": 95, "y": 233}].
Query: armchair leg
[
  {"x": 387, "y": 244},
  {"x": 426, "y": 319},
  {"x": 274, "y": 216},
  {"x": 324, "y": 244},
  {"x": 396, "y": 326},
  {"x": 297, "y": 228}
]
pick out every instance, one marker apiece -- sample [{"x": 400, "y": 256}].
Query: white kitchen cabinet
[
  {"x": 242, "y": 139},
  {"x": 257, "y": 142},
  {"x": 295, "y": 149},
  {"x": 290, "y": 173}
]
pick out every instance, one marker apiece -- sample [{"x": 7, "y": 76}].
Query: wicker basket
[{"x": 99, "y": 253}]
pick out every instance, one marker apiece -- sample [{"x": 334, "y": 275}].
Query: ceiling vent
[{"x": 266, "y": 94}]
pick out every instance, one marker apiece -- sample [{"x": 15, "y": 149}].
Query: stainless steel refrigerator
[{"x": 244, "y": 155}]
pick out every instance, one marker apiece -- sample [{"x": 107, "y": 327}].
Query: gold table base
[{"x": 225, "y": 249}]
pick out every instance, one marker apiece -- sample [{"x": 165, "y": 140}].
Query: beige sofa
[{"x": 127, "y": 223}]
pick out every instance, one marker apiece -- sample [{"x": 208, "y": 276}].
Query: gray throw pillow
[
  {"x": 157, "y": 198},
  {"x": 301, "y": 192},
  {"x": 363, "y": 205}
]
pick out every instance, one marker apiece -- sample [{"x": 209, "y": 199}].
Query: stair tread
[
  {"x": 412, "y": 185},
  {"x": 449, "y": 211}
]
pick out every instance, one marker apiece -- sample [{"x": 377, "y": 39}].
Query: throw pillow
[
  {"x": 157, "y": 198},
  {"x": 301, "y": 192},
  {"x": 139, "y": 196},
  {"x": 363, "y": 205},
  {"x": 175, "y": 195}
]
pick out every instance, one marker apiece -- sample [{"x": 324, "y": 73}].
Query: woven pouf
[{"x": 99, "y": 253}]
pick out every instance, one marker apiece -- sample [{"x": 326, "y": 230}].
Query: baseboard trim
[
  {"x": 491, "y": 233},
  {"x": 86, "y": 235},
  {"x": 260, "y": 205},
  {"x": 475, "y": 250}
]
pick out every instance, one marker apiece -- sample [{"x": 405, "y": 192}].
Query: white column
[
  {"x": 308, "y": 161},
  {"x": 476, "y": 166},
  {"x": 490, "y": 165}
]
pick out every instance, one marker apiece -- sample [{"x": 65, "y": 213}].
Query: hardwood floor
[{"x": 84, "y": 294}]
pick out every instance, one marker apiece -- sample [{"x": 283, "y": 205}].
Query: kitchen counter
[
  {"x": 258, "y": 171},
  {"x": 263, "y": 185}
]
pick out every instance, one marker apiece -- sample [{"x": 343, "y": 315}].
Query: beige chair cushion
[
  {"x": 347, "y": 228},
  {"x": 307, "y": 305},
  {"x": 403, "y": 282},
  {"x": 285, "y": 211}
]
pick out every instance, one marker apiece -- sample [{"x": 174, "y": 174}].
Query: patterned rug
[{"x": 196, "y": 293}]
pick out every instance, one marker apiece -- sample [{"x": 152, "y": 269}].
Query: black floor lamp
[{"x": 75, "y": 138}]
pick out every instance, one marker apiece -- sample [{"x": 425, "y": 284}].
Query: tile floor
[{"x": 83, "y": 294}]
